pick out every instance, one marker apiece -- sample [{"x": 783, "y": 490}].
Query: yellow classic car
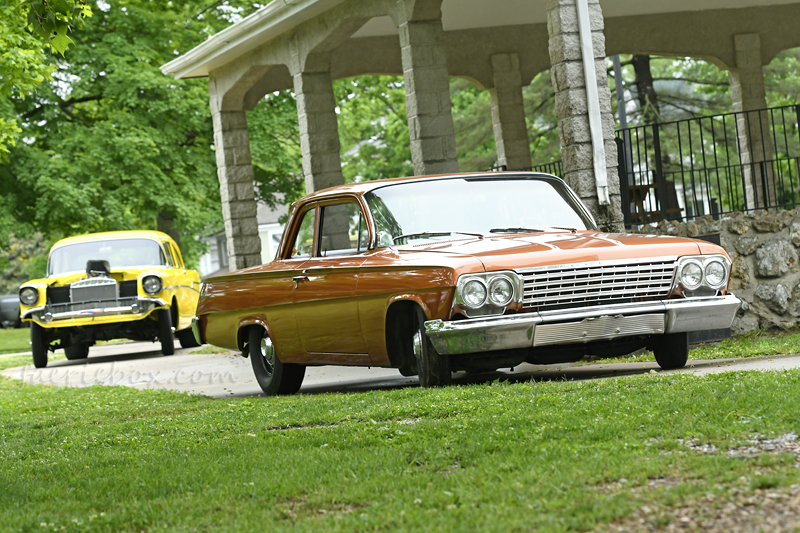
[{"x": 103, "y": 286}]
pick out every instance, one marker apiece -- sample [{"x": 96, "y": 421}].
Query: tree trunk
[
  {"x": 646, "y": 92},
  {"x": 164, "y": 222}
]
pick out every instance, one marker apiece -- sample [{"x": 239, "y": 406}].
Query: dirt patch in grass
[{"x": 760, "y": 510}]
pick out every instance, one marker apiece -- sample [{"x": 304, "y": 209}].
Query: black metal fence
[
  {"x": 710, "y": 165},
  {"x": 553, "y": 168}
]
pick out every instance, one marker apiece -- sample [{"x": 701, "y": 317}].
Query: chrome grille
[
  {"x": 93, "y": 289},
  {"x": 604, "y": 282}
]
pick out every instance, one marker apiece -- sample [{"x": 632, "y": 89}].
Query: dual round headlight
[
  {"x": 152, "y": 285},
  {"x": 476, "y": 293},
  {"x": 693, "y": 274},
  {"x": 28, "y": 295}
]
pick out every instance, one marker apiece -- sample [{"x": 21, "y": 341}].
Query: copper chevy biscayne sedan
[{"x": 471, "y": 272}]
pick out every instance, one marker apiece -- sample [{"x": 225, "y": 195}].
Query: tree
[{"x": 110, "y": 142}]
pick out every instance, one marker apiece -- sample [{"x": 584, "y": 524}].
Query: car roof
[
  {"x": 366, "y": 186},
  {"x": 141, "y": 234}
]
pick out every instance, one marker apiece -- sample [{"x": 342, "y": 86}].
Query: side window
[
  {"x": 176, "y": 255},
  {"x": 170, "y": 261},
  {"x": 343, "y": 230},
  {"x": 303, "y": 245}
]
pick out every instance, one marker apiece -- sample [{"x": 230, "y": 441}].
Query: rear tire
[
  {"x": 671, "y": 350},
  {"x": 186, "y": 338},
  {"x": 433, "y": 368},
  {"x": 273, "y": 376},
  {"x": 39, "y": 345},
  {"x": 165, "y": 334},
  {"x": 77, "y": 351}
]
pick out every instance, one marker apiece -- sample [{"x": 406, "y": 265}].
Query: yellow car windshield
[{"x": 120, "y": 253}]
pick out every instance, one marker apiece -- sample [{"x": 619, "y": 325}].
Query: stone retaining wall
[{"x": 763, "y": 247}]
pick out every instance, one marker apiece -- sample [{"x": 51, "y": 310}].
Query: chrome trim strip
[
  {"x": 509, "y": 332},
  {"x": 142, "y": 306},
  {"x": 181, "y": 287},
  {"x": 32, "y": 310},
  {"x": 615, "y": 262},
  {"x": 605, "y": 327}
]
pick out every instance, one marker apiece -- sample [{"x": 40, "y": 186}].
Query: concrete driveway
[{"x": 141, "y": 365}]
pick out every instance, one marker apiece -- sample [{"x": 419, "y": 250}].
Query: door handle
[{"x": 298, "y": 279}]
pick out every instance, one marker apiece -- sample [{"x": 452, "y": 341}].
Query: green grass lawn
[
  {"x": 546, "y": 456},
  {"x": 15, "y": 340}
]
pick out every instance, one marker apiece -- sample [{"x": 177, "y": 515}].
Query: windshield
[
  {"x": 442, "y": 209},
  {"x": 120, "y": 253}
]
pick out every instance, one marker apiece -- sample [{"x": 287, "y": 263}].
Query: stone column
[
  {"x": 749, "y": 95},
  {"x": 236, "y": 184},
  {"x": 508, "y": 114},
  {"x": 572, "y": 108},
  {"x": 319, "y": 130},
  {"x": 430, "y": 122}
]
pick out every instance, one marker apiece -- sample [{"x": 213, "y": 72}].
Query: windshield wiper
[
  {"x": 516, "y": 230},
  {"x": 529, "y": 230},
  {"x": 426, "y": 234}
]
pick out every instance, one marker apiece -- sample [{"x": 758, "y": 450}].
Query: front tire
[
  {"x": 433, "y": 368},
  {"x": 672, "y": 350},
  {"x": 39, "y": 345},
  {"x": 77, "y": 351},
  {"x": 186, "y": 338},
  {"x": 273, "y": 376},
  {"x": 165, "y": 332}
]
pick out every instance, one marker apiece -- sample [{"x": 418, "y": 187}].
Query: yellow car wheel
[{"x": 39, "y": 345}]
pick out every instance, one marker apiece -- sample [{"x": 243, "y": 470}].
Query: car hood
[{"x": 542, "y": 249}]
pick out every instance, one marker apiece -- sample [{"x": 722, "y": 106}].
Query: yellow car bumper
[{"x": 93, "y": 313}]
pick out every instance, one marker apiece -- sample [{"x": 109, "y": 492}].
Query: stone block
[
  {"x": 775, "y": 258},
  {"x": 238, "y": 174},
  {"x": 775, "y": 297},
  {"x": 570, "y": 103},
  {"x": 245, "y": 245},
  {"x": 739, "y": 225},
  {"x": 564, "y": 47},
  {"x": 244, "y": 191},
  {"x": 740, "y": 273},
  {"x": 577, "y": 157},
  {"x": 568, "y": 75},
  {"x": 427, "y": 103},
  {"x": 574, "y": 129},
  {"x": 562, "y": 19},
  {"x": 768, "y": 224},
  {"x": 241, "y": 155},
  {"x": 744, "y": 324},
  {"x": 795, "y": 233},
  {"x": 434, "y": 126},
  {"x": 241, "y": 209},
  {"x": 746, "y": 245}
]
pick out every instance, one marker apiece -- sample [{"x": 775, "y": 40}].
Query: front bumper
[
  {"x": 587, "y": 324},
  {"x": 127, "y": 308}
]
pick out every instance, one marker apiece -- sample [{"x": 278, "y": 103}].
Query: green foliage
[
  {"x": 275, "y": 149},
  {"x": 21, "y": 260},
  {"x": 23, "y": 66},
  {"x": 373, "y": 128},
  {"x": 110, "y": 141},
  {"x": 782, "y": 79},
  {"x": 52, "y": 20}
]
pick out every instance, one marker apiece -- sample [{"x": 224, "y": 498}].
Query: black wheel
[
  {"x": 39, "y": 345},
  {"x": 186, "y": 338},
  {"x": 671, "y": 350},
  {"x": 165, "y": 332},
  {"x": 77, "y": 351},
  {"x": 272, "y": 375},
  {"x": 433, "y": 368}
]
